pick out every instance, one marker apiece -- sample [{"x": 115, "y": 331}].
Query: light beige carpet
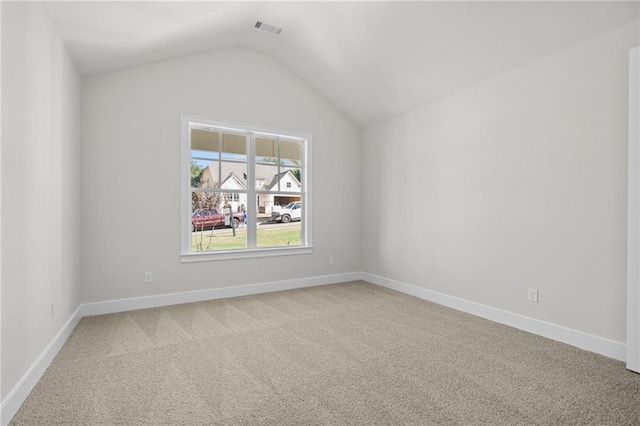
[{"x": 350, "y": 353}]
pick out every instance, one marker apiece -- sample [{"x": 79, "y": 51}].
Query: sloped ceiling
[{"x": 372, "y": 60}]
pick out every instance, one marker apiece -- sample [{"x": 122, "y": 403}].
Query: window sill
[{"x": 243, "y": 254}]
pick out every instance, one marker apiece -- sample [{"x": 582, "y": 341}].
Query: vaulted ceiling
[{"x": 372, "y": 60}]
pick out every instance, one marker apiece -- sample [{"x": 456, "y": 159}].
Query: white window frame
[
  {"x": 633, "y": 216},
  {"x": 251, "y": 131}
]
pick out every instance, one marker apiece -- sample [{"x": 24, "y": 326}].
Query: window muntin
[{"x": 230, "y": 165}]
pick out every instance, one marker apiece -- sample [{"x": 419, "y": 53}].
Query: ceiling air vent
[{"x": 268, "y": 28}]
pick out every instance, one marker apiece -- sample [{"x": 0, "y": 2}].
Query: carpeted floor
[{"x": 350, "y": 353}]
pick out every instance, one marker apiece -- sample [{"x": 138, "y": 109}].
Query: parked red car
[{"x": 207, "y": 219}]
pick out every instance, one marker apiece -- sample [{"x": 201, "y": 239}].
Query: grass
[
  {"x": 278, "y": 237},
  {"x": 220, "y": 240},
  {"x": 224, "y": 239}
]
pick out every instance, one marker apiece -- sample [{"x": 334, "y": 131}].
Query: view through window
[{"x": 247, "y": 189}]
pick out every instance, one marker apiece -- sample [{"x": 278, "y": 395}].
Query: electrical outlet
[
  {"x": 148, "y": 277},
  {"x": 53, "y": 308},
  {"x": 331, "y": 262},
  {"x": 533, "y": 295}
]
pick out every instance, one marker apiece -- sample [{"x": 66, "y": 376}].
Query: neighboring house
[
  {"x": 234, "y": 177},
  {"x": 233, "y": 180},
  {"x": 288, "y": 183}
]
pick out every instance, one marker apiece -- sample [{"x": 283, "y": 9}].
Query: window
[{"x": 246, "y": 191}]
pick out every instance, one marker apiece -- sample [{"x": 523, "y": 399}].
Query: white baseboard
[
  {"x": 16, "y": 397},
  {"x": 19, "y": 393},
  {"x": 589, "y": 342},
  {"x": 145, "y": 302}
]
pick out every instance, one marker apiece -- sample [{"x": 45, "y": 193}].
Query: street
[{"x": 242, "y": 228}]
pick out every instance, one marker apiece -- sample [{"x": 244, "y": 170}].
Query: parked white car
[{"x": 291, "y": 211}]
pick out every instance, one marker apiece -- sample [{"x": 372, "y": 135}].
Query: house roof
[
  {"x": 232, "y": 176},
  {"x": 372, "y": 60},
  {"x": 278, "y": 177},
  {"x": 238, "y": 171}
]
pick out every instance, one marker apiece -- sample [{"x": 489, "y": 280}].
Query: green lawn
[
  {"x": 224, "y": 239},
  {"x": 220, "y": 240},
  {"x": 277, "y": 237}
]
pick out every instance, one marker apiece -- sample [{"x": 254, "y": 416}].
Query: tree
[
  {"x": 206, "y": 200},
  {"x": 296, "y": 173},
  {"x": 196, "y": 174}
]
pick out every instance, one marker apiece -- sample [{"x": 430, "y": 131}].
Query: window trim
[{"x": 186, "y": 255}]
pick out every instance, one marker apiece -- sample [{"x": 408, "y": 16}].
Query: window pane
[
  {"x": 283, "y": 228},
  {"x": 204, "y": 174},
  {"x": 265, "y": 204},
  {"x": 290, "y": 153},
  {"x": 204, "y": 156},
  {"x": 234, "y": 147},
  {"x": 290, "y": 180},
  {"x": 215, "y": 225},
  {"x": 204, "y": 140},
  {"x": 269, "y": 176},
  {"x": 266, "y": 150},
  {"x": 234, "y": 175}
]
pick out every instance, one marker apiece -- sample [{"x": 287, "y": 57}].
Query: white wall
[
  {"x": 40, "y": 186},
  {"x": 514, "y": 183},
  {"x": 131, "y": 172}
]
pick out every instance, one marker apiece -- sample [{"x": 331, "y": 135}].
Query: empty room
[{"x": 320, "y": 213}]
